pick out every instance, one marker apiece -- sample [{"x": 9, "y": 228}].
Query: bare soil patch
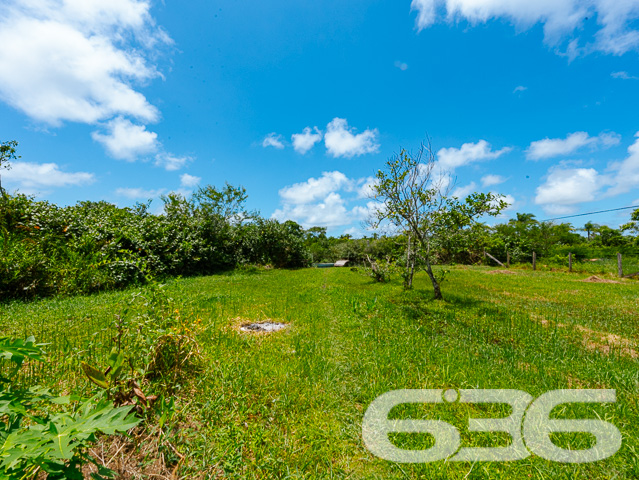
[
  {"x": 257, "y": 327},
  {"x": 603, "y": 342},
  {"x": 265, "y": 327},
  {"x": 596, "y": 279},
  {"x": 503, "y": 272}
]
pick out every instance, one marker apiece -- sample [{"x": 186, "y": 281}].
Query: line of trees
[{"x": 93, "y": 246}]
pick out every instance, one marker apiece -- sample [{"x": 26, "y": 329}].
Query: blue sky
[{"x": 302, "y": 102}]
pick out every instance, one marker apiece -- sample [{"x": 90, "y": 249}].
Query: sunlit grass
[{"x": 290, "y": 404}]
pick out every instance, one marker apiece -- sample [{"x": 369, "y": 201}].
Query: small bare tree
[{"x": 414, "y": 196}]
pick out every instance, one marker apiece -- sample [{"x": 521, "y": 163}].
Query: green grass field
[{"x": 290, "y": 404}]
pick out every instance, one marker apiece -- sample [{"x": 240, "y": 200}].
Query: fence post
[
  {"x": 508, "y": 259},
  {"x": 534, "y": 261},
  {"x": 619, "y": 267},
  {"x": 570, "y": 261}
]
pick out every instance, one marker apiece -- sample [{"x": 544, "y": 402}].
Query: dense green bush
[{"x": 94, "y": 246}]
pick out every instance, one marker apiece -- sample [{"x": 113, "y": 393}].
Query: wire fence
[{"x": 620, "y": 265}]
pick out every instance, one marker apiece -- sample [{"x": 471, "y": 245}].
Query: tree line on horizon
[{"x": 96, "y": 246}]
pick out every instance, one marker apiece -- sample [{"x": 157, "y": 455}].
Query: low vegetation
[{"x": 289, "y": 404}]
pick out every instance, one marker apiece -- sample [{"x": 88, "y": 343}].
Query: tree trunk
[
  {"x": 410, "y": 266},
  {"x": 437, "y": 291}
]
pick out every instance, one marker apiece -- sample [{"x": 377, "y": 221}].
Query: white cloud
[
  {"x": 623, "y": 76},
  {"x": 626, "y": 172},
  {"x": 187, "y": 180},
  {"x": 364, "y": 212},
  {"x": 332, "y": 200},
  {"x": 365, "y": 187},
  {"x": 612, "y": 20},
  {"x": 520, "y": 88},
  {"x": 273, "y": 140},
  {"x": 490, "y": 180},
  {"x": 342, "y": 142},
  {"x": 463, "y": 192},
  {"x": 554, "y": 147},
  {"x": 126, "y": 140},
  {"x": 330, "y": 212},
  {"x": 354, "y": 232},
  {"x": 171, "y": 162},
  {"x": 401, "y": 65},
  {"x": 426, "y": 12},
  {"x": 509, "y": 199},
  {"x": 565, "y": 187},
  {"x": 83, "y": 61},
  {"x": 36, "y": 175},
  {"x": 315, "y": 188},
  {"x": 74, "y": 60},
  {"x": 451, "y": 158},
  {"x": 608, "y": 140},
  {"x": 303, "y": 142},
  {"x": 139, "y": 193}
]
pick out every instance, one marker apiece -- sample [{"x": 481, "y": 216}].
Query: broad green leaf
[{"x": 95, "y": 375}]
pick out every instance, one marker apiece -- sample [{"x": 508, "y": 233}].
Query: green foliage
[
  {"x": 96, "y": 246},
  {"x": 292, "y": 401},
  {"x": 633, "y": 225},
  {"x": 7, "y": 153},
  {"x": 415, "y": 198},
  {"x": 37, "y": 435}
]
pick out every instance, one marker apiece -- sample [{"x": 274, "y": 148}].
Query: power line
[{"x": 590, "y": 213}]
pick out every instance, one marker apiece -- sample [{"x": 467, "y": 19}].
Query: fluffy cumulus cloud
[
  {"x": 126, "y": 140},
  {"x": 329, "y": 212},
  {"x": 33, "y": 176},
  {"x": 451, "y": 158},
  {"x": 315, "y": 188},
  {"x": 67, "y": 60},
  {"x": 365, "y": 187},
  {"x": 189, "y": 181},
  {"x": 613, "y": 21},
  {"x": 555, "y": 147},
  {"x": 566, "y": 187},
  {"x": 332, "y": 200},
  {"x": 625, "y": 176},
  {"x": 83, "y": 61},
  {"x": 303, "y": 142},
  {"x": 342, "y": 141},
  {"x": 273, "y": 140}
]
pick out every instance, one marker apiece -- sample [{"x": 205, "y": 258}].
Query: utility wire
[{"x": 590, "y": 213}]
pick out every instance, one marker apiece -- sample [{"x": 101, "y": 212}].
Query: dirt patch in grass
[
  {"x": 257, "y": 327},
  {"x": 604, "y": 342},
  {"x": 596, "y": 279},
  {"x": 595, "y": 340},
  {"x": 504, "y": 272}
]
